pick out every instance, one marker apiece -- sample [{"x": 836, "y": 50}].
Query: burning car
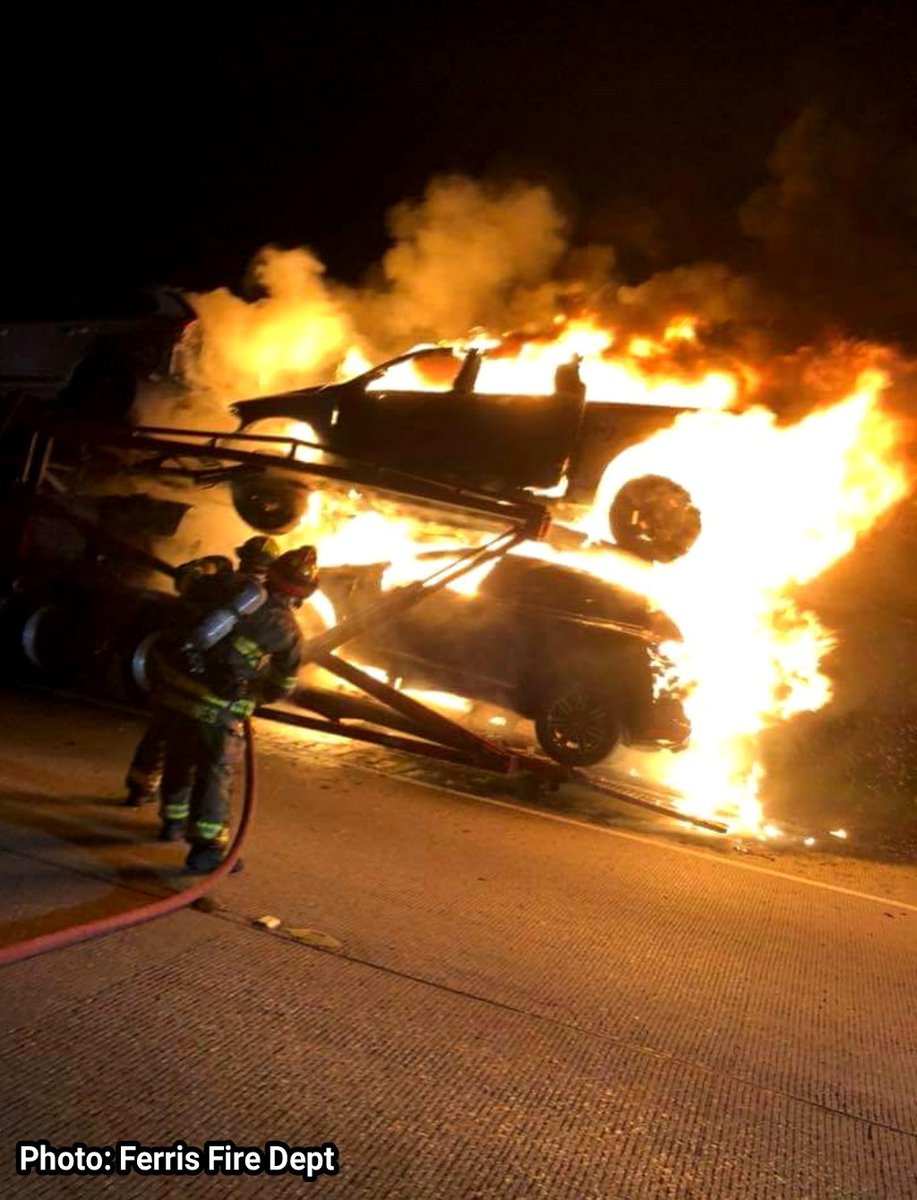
[
  {"x": 577, "y": 655},
  {"x": 498, "y": 443},
  {"x": 580, "y": 657}
]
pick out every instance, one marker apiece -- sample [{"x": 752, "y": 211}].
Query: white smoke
[{"x": 465, "y": 255}]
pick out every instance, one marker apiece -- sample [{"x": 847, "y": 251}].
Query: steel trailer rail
[{"x": 164, "y": 444}]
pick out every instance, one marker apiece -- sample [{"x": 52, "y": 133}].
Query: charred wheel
[
  {"x": 655, "y": 518},
  {"x": 577, "y": 726},
  {"x": 268, "y": 505}
]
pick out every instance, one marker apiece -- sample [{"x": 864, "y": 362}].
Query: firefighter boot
[
  {"x": 171, "y": 831},
  {"x": 204, "y": 857}
]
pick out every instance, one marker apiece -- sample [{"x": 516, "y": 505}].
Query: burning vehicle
[
  {"x": 432, "y": 432},
  {"x": 502, "y": 443},
  {"x": 579, "y": 656}
]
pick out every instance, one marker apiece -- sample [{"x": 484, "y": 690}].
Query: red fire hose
[{"x": 157, "y": 908}]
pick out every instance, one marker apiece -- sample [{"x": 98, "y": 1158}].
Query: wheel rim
[
  {"x": 577, "y": 722},
  {"x": 654, "y": 517}
]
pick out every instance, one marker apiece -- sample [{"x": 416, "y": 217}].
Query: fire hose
[{"x": 75, "y": 934}]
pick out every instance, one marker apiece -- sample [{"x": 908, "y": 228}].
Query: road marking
[{"x": 643, "y": 840}]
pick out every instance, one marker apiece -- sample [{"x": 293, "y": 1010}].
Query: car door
[
  {"x": 493, "y": 441},
  {"x": 449, "y": 641}
]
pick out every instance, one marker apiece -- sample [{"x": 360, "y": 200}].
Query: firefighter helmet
[
  {"x": 256, "y": 555},
  {"x": 294, "y": 573}
]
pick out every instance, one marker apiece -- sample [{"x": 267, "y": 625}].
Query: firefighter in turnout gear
[
  {"x": 193, "y": 581},
  {"x": 212, "y": 674}
]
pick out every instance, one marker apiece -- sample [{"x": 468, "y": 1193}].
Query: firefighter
[
  {"x": 255, "y": 557},
  {"x": 145, "y": 771},
  {"x": 203, "y": 700}
]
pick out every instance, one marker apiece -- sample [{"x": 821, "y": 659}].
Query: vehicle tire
[
  {"x": 577, "y": 726},
  {"x": 138, "y": 675},
  {"x": 269, "y": 505},
  {"x": 102, "y": 388},
  {"x": 654, "y": 518},
  {"x": 47, "y": 649}
]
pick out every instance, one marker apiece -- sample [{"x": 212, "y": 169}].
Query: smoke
[
  {"x": 467, "y": 254},
  {"x": 831, "y": 258},
  {"x": 296, "y": 329},
  {"x": 710, "y": 291},
  {"x": 836, "y": 225}
]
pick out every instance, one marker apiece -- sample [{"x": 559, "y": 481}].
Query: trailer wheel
[
  {"x": 140, "y": 662},
  {"x": 654, "y": 518},
  {"x": 577, "y": 726},
  {"x": 41, "y": 635},
  {"x": 269, "y": 505}
]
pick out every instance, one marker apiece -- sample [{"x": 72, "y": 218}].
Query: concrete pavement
[{"x": 520, "y": 1006}]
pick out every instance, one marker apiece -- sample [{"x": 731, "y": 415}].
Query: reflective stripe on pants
[{"x": 199, "y": 764}]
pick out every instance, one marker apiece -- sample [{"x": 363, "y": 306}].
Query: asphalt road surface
[{"x": 467, "y": 997}]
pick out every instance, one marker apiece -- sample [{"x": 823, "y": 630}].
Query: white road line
[
  {"x": 618, "y": 833},
  {"x": 645, "y": 841}
]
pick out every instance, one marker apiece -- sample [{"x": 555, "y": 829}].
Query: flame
[
  {"x": 643, "y": 373},
  {"x": 445, "y": 700},
  {"x": 354, "y": 363},
  {"x": 681, "y": 329},
  {"x": 323, "y": 609},
  {"x": 290, "y": 336},
  {"x": 780, "y": 504}
]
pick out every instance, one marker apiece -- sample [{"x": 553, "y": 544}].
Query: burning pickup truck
[{"x": 503, "y": 444}]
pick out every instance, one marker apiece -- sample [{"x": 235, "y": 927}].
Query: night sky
[{"x": 162, "y": 146}]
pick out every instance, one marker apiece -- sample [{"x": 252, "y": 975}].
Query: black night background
[{"x": 171, "y": 144}]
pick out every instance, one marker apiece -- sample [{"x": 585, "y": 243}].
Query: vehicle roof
[{"x": 554, "y": 586}]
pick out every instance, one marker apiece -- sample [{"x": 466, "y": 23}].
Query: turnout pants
[
  {"x": 200, "y": 759},
  {"x": 145, "y": 772}
]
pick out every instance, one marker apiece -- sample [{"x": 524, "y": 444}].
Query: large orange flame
[
  {"x": 780, "y": 505},
  {"x": 642, "y": 371}
]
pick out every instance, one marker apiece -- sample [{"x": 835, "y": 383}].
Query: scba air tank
[{"x": 222, "y": 621}]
